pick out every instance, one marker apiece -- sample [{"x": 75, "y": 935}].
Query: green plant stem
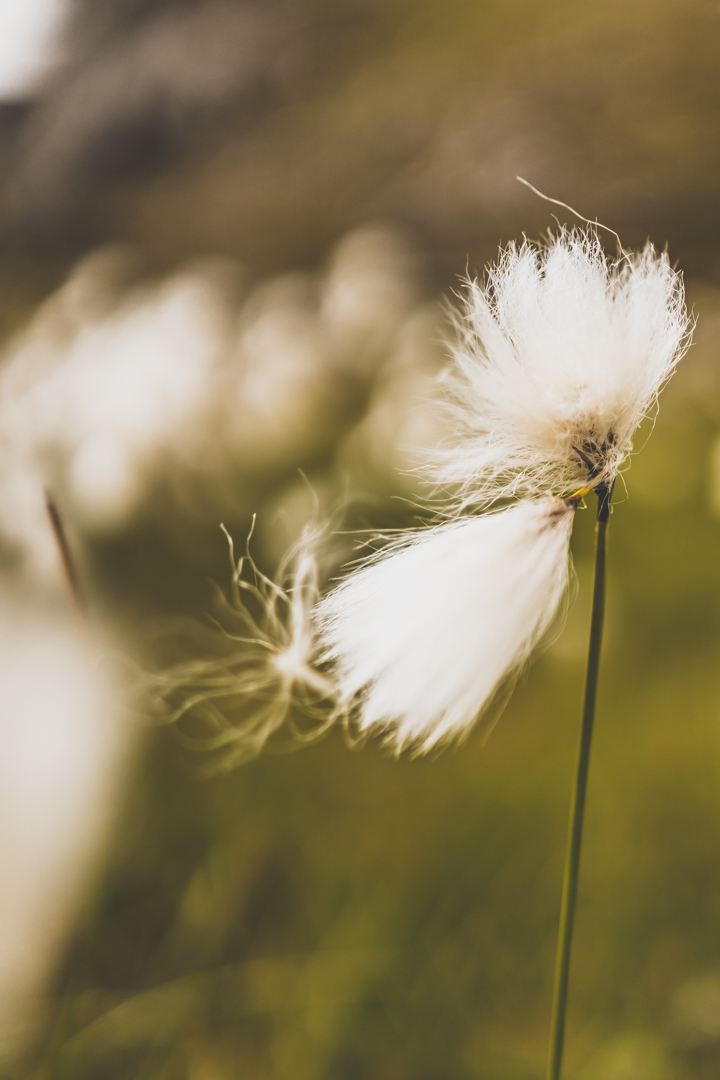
[{"x": 577, "y": 808}]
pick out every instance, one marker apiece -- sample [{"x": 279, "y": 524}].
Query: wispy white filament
[
  {"x": 240, "y": 700},
  {"x": 559, "y": 356},
  {"x": 422, "y": 636}
]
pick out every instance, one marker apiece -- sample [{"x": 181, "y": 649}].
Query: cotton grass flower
[
  {"x": 424, "y": 633},
  {"x": 559, "y": 356},
  {"x": 557, "y": 359}
]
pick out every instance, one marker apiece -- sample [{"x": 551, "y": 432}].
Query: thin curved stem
[
  {"x": 65, "y": 554},
  {"x": 577, "y": 807}
]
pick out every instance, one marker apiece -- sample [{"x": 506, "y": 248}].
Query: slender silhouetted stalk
[
  {"x": 66, "y": 557},
  {"x": 577, "y": 808}
]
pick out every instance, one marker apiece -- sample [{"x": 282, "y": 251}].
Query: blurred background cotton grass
[
  {"x": 62, "y": 743},
  {"x": 226, "y": 233}
]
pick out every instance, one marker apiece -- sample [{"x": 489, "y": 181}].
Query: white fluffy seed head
[
  {"x": 422, "y": 636},
  {"x": 557, "y": 359}
]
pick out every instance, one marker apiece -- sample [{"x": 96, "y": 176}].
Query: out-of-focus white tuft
[
  {"x": 421, "y": 637},
  {"x": 123, "y": 387},
  {"x": 559, "y": 356},
  {"x": 62, "y": 744},
  {"x": 305, "y": 347},
  {"x": 29, "y": 44},
  {"x": 383, "y": 451},
  {"x": 98, "y": 391},
  {"x": 239, "y": 701}
]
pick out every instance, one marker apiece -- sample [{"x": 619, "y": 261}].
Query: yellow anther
[{"x": 584, "y": 491}]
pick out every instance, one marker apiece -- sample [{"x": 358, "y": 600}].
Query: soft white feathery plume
[
  {"x": 63, "y": 747},
  {"x": 240, "y": 700},
  {"x": 559, "y": 356},
  {"x": 422, "y": 635}
]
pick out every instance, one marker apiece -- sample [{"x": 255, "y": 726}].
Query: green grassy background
[
  {"x": 333, "y": 913},
  {"x": 336, "y": 913}
]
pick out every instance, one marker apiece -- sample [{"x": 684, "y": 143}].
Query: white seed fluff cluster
[
  {"x": 422, "y": 636},
  {"x": 559, "y": 356}
]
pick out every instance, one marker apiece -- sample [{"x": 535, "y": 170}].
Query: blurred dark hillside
[{"x": 265, "y": 130}]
